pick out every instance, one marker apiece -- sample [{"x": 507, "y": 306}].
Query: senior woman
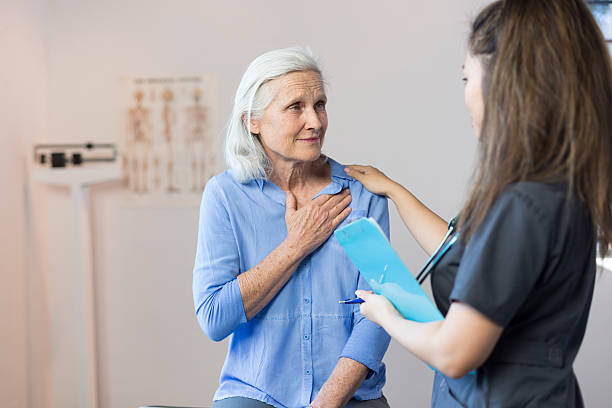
[{"x": 267, "y": 270}]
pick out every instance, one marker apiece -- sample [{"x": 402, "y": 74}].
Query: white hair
[{"x": 244, "y": 153}]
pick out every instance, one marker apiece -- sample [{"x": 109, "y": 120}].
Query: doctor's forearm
[
  {"x": 456, "y": 345},
  {"x": 430, "y": 343},
  {"x": 421, "y": 339},
  {"x": 425, "y": 225}
]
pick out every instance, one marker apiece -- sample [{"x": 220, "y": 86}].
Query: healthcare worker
[{"x": 516, "y": 286}]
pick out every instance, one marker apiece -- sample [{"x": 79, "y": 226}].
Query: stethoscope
[{"x": 439, "y": 252}]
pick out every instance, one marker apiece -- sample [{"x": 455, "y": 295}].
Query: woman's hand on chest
[{"x": 313, "y": 223}]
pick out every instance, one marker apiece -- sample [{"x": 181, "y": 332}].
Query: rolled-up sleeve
[
  {"x": 216, "y": 293},
  {"x": 368, "y": 342}
]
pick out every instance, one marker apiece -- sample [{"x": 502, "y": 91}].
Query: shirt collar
[
  {"x": 340, "y": 181},
  {"x": 337, "y": 174},
  {"x": 337, "y": 171}
]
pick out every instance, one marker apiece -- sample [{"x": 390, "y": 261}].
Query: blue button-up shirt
[{"x": 284, "y": 354}]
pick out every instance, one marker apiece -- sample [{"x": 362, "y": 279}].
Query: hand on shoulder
[{"x": 371, "y": 178}]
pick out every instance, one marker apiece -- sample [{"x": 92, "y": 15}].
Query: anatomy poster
[{"x": 170, "y": 145}]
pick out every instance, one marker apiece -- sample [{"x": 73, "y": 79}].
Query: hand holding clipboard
[{"x": 370, "y": 250}]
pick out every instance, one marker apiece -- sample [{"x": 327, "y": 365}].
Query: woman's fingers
[
  {"x": 337, "y": 204},
  {"x": 327, "y": 201},
  {"x": 355, "y": 168},
  {"x": 365, "y": 307},
  {"x": 314, "y": 222},
  {"x": 372, "y": 308},
  {"x": 372, "y": 178},
  {"x": 340, "y": 217},
  {"x": 364, "y": 294},
  {"x": 376, "y": 307},
  {"x": 333, "y": 204},
  {"x": 322, "y": 199},
  {"x": 359, "y": 173}
]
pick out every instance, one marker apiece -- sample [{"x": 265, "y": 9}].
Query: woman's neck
[{"x": 299, "y": 176}]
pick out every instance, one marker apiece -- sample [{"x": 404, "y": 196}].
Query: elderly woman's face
[{"x": 293, "y": 125}]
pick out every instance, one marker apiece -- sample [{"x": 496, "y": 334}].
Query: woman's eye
[
  {"x": 320, "y": 105},
  {"x": 295, "y": 106},
  {"x": 464, "y": 79}
]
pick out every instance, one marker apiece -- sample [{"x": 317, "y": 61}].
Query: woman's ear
[{"x": 254, "y": 124}]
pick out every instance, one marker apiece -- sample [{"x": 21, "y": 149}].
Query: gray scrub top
[{"x": 530, "y": 267}]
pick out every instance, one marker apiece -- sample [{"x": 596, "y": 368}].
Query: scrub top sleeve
[{"x": 504, "y": 258}]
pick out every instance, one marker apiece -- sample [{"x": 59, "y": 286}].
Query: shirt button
[
  {"x": 306, "y": 337},
  {"x": 307, "y": 372},
  {"x": 306, "y": 300}
]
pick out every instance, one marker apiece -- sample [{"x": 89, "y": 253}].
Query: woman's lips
[{"x": 310, "y": 140}]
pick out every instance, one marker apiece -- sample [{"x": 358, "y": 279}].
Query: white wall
[
  {"x": 12, "y": 235},
  {"x": 23, "y": 80},
  {"x": 395, "y": 100}
]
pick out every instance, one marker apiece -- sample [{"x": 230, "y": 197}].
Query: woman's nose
[{"x": 312, "y": 119}]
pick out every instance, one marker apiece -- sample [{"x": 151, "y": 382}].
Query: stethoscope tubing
[{"x": 438, "y": 253}]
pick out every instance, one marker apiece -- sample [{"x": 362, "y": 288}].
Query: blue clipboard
[{"x": 370, "y": 250}]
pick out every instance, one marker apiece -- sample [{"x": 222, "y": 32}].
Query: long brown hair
[{"x": 547, "y": 89}]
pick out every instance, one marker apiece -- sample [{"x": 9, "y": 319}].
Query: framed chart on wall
[{"x": 170, "y": 143}]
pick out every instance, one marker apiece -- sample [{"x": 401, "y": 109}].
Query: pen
[{"x": 351, "y": 301}]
